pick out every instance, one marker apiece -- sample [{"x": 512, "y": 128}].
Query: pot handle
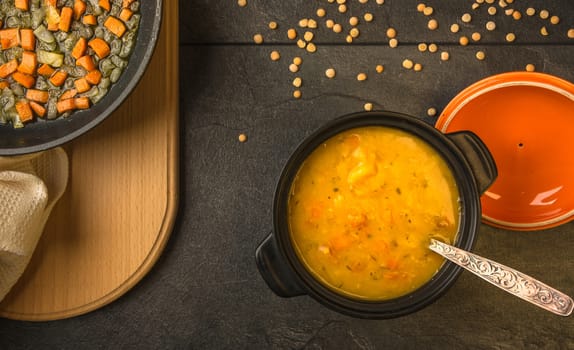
[
  {"x": 478, "y": 156},
  {"x": 275, "y": 270}
]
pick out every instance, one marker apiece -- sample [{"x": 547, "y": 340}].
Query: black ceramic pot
[{"x": 473, "y": 168}]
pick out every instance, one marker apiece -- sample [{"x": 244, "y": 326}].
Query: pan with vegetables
[{"x": 65, "y": 65}]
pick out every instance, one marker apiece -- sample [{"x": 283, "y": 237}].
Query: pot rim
[{"x": 468, "y": 227}]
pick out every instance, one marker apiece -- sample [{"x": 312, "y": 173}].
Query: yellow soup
[{"x": 363, "y": 207}]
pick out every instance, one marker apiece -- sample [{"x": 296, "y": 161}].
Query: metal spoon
[{"x": 510, "y": 280}]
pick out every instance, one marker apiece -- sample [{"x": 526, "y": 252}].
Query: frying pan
[{"x": 42, "y": 135}]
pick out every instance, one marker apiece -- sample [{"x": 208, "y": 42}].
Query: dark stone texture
[{"x": 206, "y": 293}]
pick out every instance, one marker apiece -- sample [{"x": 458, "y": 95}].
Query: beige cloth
[{"x": 30, "y": 185}]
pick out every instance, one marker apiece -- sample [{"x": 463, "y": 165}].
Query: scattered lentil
[
  {"x": 489, "y": 1},
  {"x": 421, "y": 7},
  {"x": 463, "y": 40},
  {"x": 431, "y": 112},
  {"x": 380, "y": 2},
  {"x": 368, "y": 106},
  {"x": 330, "y": 73},
  {"x": 311, "y": 23},
  {"x": 554, "y": 19},
  {"x": 303, "y": 23},
  {"x": 530, "y": 11},
  {"x": 329, "y": 23},
  {"x": 571, "y": 33},
  {"x": 417, "y": 67},
  {"x": 530, "y": 67},
  {"x": 391, "y": 33},
  {"x": 393, "y": 43},
  {"x": 308, "y": 36},
  {"x": 297, "y": 60},
  {"x": 408, "y": 64},
  {"x": 480, "y": 55},
  {"x": 321, "y": 12},
  {"x": 502, "y": 3},
  {"x": 297, "y": 94},
  {"x": 427, "y": 11},
  {"x": 433, "y": 48},
  {"x": 544, "y": 31},
  {"x": 342, "y": 8},
  {"x": 475, "y": 6},
  {"x": 444, "y": 56},
  {"x": 242, "y": 3},
  {"x": 349, "y": 39},
  {"x": 368, "y": 17},
  {"x": 337, "y": 28},
  {"x": 510, "y": 37},
  {"x": 432, "y": 24},
  {"x": 353, "y": 21},
  {"x": 363, "y": 1},
  {"x": 275, "y": 56},
  {"x": 311, "y": 47},
  {"x": 422, "y": 47},
  {"x": 258, "y": 38},
  {"x": 272, "y": 25},
  {"x": 341, "y": 1},
  {"x": 490, "y": 25},
  {"x": 301, "y": 43},
  {"x": 454, "y": 27},
  {"x": 476, "y": 36},
  {"x": 361, "y": 77},
  {"x": 291, "y": 33},
  {"x": 293, "y": 68},
  {"x": 242, "y": 137},
  {"x": 466, "y": 18},
  {"x": 297, "y": 82},
  {"x": 491, "y": 10},
  {"x": 354, "y": 32},
  {"x": 544, "y": 14},
  {"x": 516, "y": 15},
  {"x": 379, "y": 68}
]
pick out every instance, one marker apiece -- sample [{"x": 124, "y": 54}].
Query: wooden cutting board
[{"x": 113, "y": 222}]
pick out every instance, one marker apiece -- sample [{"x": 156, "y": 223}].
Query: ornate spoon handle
[{"x": 510, "y": 280}]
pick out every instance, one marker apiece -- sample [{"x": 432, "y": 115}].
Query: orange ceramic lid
[{"x": 527, "y": 122}]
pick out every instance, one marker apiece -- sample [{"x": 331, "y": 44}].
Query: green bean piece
[
  {"x": 116, "y": 73},
  {"x": 118, "y": 61},
  {"x": 44, "y": 34},
  {"x": 105, "y": 83},
  {"x": 106, "y": 67},
  {"x": 51, "y": 110}
]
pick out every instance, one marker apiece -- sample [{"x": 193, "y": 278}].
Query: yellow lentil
[
  {"x": 301, "y": 43},
  {"x": 391, "y": 33},
  {"x": 408, "y": 64},
  {"x": 417, "y": 67},
  {"x": 463, "y": 40},
  {"x": 502, "y": 3},
  {"x": 571, "y": 33},
  {"x": 380, "y": 2},
  {"x": 291, "y": 33},
  {"x": 361, "y": 77},
  {"x": 544, "y": 31},
  {"x": 311, "y": 47},
  {"x": 297, "y": 82},
  {"x": 492, "y": 10},
  {"x": 427, "y": 11},
  {"x": 444, "y": 56},
  {"x": 432, "y": 24},
  {"x": 341, "y": 1},
  {"x": 431, "y": 112},
  {"x": 393, "y": 43},
  {"x": 342, "y": 8},
  {"x": 321, "y": 12},
  {"x": 530, "y": 11},
  {"x": 476, "y": 36},
  {"x": 379, "y": 68},
  {"x": 242, "y": 3},
  {"x": 354, "y": 32},
  {"x": 337, "y": 28},
  {"x": 258, "y": 38},
  {"x": 422, "y": 47},
  {"x": 353, "y": 21},
  {"x": 275, "y": 56},
  {"x": 293, "y": 68},
  {"x": 330, "y": 73},
  {"x": 480, "y": 55},
  {"x": 421, "y": 7},
  {"x": 433, "y": 48},
  {"x": 516, "y": 15},
  {"x": 554, "y": 19},
  {"x": 530, "y": 67},
  {"x": 454, "y": 28},
  {"x": 349, "y": 39},
  {"x": 510, "y": 37},
  {"x": 308, "y": 36},
  {"x": 368, "y": 17},
  {"x": 242, "y": 137},
  {"x": 368, "y": 106},
  {"x": 466, "y": 18},
  {"x": 312, "y": 24},
  {"x": 475, "y": 6},
  {"x": 490, "y": 1},
  {"x": 297, "y": 94},
  {"x": 363, "y": 1},
  {"x": 297, "y": 60},
  {"x": 329, "y": 23},
  {"x": 544, "y": 14},
  {"x": 490, "y": 25},
  {"x": 303, "y": 23},
  {"x": 272, "y": 25}
]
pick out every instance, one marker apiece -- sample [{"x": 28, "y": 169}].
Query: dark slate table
[{"x": 206, "y": 292}]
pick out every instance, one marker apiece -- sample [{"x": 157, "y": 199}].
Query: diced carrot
[
  {"x": 23, "y": 79},
  {"x": 126, "y": 14},
  {"x": 28, "y": 63},
  {"x": 58, "y": 78},
  {"x": 51, "y": 2},
  {"x": 94, "y": 77},
  {"x": 37, "y": 95},
  {"x": 38, "y": 109},
  {"x": 126, "y": 3},
  {"x": 27, "y": 39},
  {"x": 22, "y": 4},
  {"x": 82, "y": 102},
  {"x": 68, "y": 94},
  {"x": 89, "y": 20},
  {"x": 4, "y": 84},
  {"x": 100, "y": 47},
  {"x": 65, "y": 105},
  {"x": 105, "y": 4},
  {"x": 79, "y": 9},
  {"x": 10, "y": 37},
  {"x": 46, "y": 70},
  {"x": 87, "y": 62},
  {"x": 66, "y": 15},
  {"x": 82, "y": 85},
  {"x": 79, "y": 49},
  {"x": 116, "y": 26},
  {"x": 8, "y": 68},
  {"x": 24, "y": 110}
]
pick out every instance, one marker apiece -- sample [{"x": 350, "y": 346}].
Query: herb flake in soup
[{"x": 363, "y": 207}]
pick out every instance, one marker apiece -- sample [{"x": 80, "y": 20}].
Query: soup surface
[{"x": 363, "y": 207}]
